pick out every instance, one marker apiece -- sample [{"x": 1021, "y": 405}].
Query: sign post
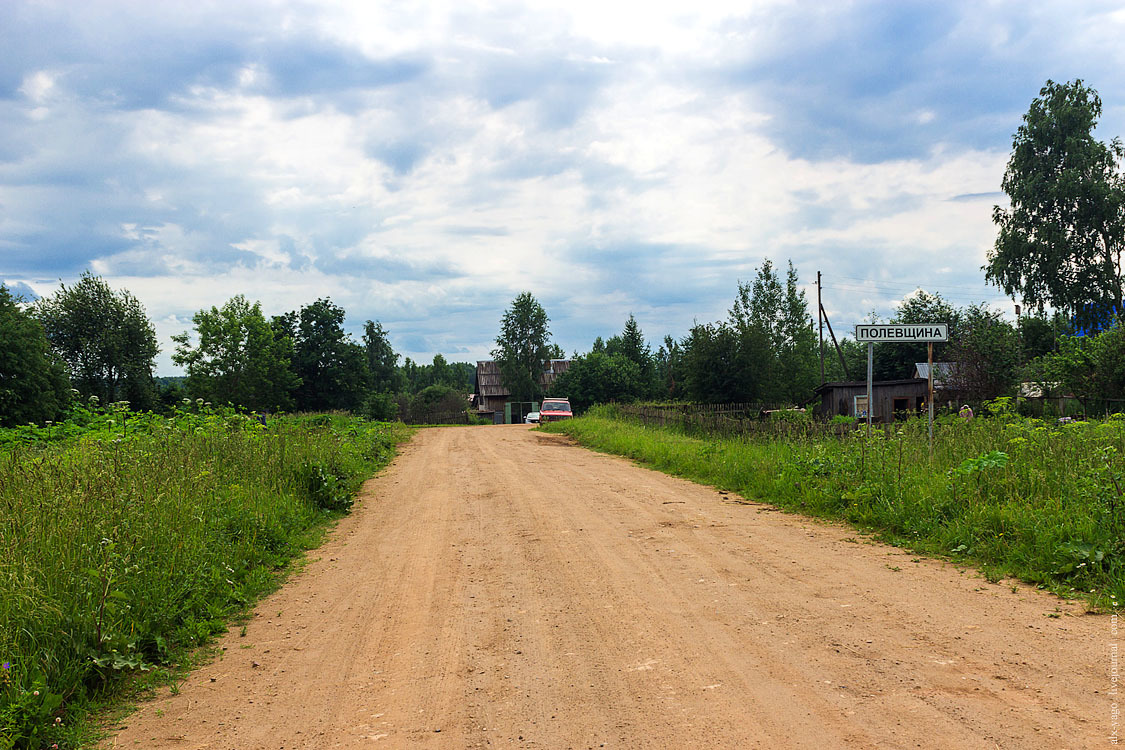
[
  {"x": 870, "y": 382},
  {"x": 930, "y": 386},
  {"x": 872, "y": 333}
]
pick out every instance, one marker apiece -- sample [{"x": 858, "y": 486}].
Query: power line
[
  {"x": 851, "y": 282},
  {"x": 959, "y": 297},
  {"x": 901, "y": 283},
  {"x": 893, "y": 287},
  {"x": 910, "y": 290}
]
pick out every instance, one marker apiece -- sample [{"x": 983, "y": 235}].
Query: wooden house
[
  {"x": 491, "y": 394},
  {"x": 890, "y": 399}
]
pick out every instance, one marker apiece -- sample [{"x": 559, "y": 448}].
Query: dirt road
[{"x": 496, "y": 587}]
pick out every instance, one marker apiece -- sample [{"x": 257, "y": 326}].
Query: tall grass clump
[
  {"x": 126, "y": 538},
  {"x": 1025, "y": 498}
]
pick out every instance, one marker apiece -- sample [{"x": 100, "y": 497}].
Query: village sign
[{"x": 898, "y": 333}]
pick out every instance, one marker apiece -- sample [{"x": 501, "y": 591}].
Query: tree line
[
  {"x": 766, "y": 351},
  {"x": 88, "y": 340}
]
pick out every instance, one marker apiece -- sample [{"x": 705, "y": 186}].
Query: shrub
[
  {"x": 323, "y": 486},
  {"x": 380, "y": 407}
]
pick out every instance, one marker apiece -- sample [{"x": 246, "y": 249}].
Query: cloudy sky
[{"x": 423, "y": 163}]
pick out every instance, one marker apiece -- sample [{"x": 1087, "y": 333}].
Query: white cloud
[{"x": 38, "y": 86}]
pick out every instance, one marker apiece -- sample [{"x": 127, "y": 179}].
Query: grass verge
[
  {"x": 1017, "y": 497},
  {"x": 131, "y": 538}
]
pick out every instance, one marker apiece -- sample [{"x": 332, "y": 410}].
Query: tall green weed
[{"x": 126, "y": 537}]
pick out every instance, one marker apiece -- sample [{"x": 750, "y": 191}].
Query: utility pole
[{"x": 820, "y": 322}]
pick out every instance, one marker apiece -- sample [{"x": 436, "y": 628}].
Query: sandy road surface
[{"x": 497, "y": 587}]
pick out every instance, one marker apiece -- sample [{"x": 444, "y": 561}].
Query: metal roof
[{"x": 942, "y": 371}]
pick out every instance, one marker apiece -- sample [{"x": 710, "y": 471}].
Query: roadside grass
[
  {"x": 1020, "y": 498},
  {"x": 126, "y": 540}
]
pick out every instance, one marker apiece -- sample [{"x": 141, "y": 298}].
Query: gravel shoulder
[{"x": 500, "y": 587}]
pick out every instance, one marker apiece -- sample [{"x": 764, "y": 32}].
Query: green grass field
[
  {"x": 1018, "y": 497},
  {"x": 127, "y": 539}
]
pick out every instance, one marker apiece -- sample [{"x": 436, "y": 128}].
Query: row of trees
[
  {"x": 766, "y": 351},
  {"x": 100, "y": 342},
  {"x": 304, "y": 360},
  {"x": 86, "y": 339},
  {"x": 90, "y": 340}
]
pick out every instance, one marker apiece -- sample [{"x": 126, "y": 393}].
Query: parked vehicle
[
  {"x": 531, "y": 418},
  {"x": 554, "y": 409}
]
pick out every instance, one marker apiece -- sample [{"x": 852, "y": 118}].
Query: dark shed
[{"x": 890, "y": 397}]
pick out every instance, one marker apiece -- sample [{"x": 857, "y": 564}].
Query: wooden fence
[
  {"x": 437, "y": 417},
  {"x": 736, "y": 419}
]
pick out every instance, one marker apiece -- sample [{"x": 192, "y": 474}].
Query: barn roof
[
  {"x": 490, "y": 385},
  {"x": 558, "y": 367},
  {"x": 488, "y": 379}
]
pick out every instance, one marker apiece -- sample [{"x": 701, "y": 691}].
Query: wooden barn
[
  {"x": 491, "y": 394},
  {"x": 891, "y": 399}
]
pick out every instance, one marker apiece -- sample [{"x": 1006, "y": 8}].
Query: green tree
[
  {"x": 600, "y": 378},
  {"x": 523, "y": 347},
  {"x": 631, "y": 345},
  {"x": 1039, "y": 333},
  {"x": 382, "y": 362},
  {"x": 465, "y": 375},
  {"x": 33, "y": 383},
  {"x": 855, "y": 355},
  {"x": 1060, "y": 241},
  {"x": 722, "y": 364},
  {"x": 985, "y": 356},
  {"x": 895, "y": 361},
  {"x": 436, "y": 403},
  {"x": 669, "y": 368},
  {"x": 760, "y": 304},
  {"x": 441, "y": 373},
  {"x": 105, "y": 338},
  {"x": 329, "y": 363},
  {"x": 413, "y": 376},
  {"x": 1090, "y": 367},
  {"x": 776, "y": 342},
  {"x": 238, "y": 359},
  {"x": 797, "y": 356}
]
